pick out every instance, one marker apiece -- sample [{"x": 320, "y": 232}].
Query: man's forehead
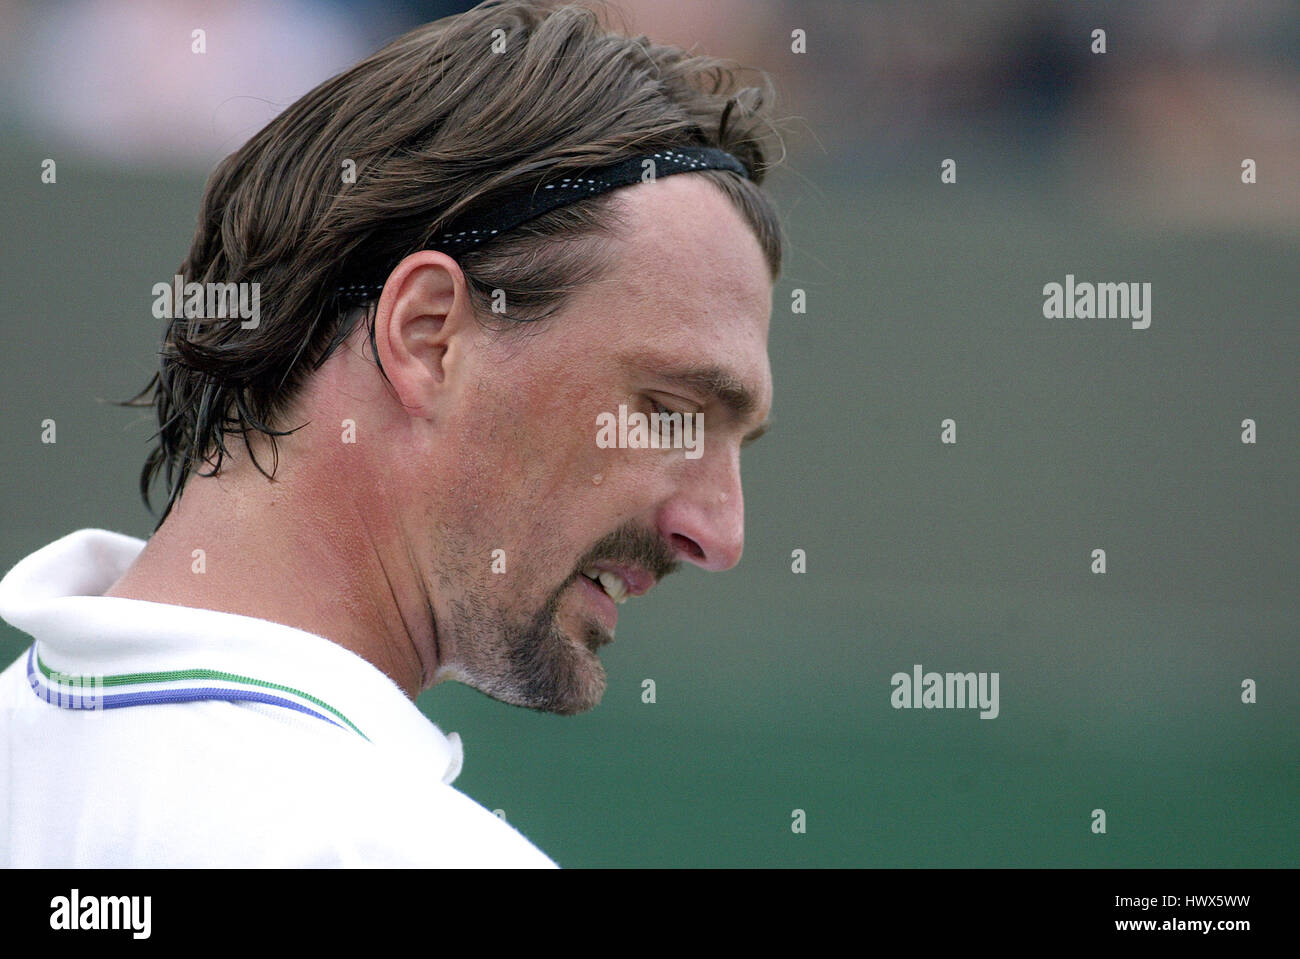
[
  {"x": 685, "y": 233},
  {"x": 694, "y": 278},
  {"x": 687, "y": 246}
]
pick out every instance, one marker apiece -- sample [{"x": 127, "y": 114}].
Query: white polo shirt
[{"x": 146, "y": 734}]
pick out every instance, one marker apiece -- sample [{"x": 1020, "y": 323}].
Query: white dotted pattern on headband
[{"x": 572, "y": 184}]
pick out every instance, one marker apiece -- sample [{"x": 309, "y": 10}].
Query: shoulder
[
  {"x": 421, "y": 823},
  {"x": 306, "y": 795},
  {"x": 355, "y": 804},
  {"x": 213, "y": 784}
]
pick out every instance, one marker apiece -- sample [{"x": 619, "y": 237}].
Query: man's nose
[{"x": 704, "y": 519}]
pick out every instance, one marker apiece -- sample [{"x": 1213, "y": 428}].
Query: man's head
[{"x": 476, "y": 382}]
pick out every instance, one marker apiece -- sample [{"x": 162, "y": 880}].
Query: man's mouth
[
  {"x": 614, "y": 585},
  {"x": 628, "y": 562},
  {"x": 610, "y": 584},
  {"x": 620, "y": 580}
]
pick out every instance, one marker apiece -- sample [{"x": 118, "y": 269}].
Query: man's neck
[{"x": 276, "y": 552}]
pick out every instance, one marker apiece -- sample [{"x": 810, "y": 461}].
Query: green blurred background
[{"x": 1119, "y": 692}]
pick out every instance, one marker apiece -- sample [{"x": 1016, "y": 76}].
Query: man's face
[{"x": 535, "y": 502}]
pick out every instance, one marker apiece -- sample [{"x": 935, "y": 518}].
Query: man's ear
[{"x": 424, "y": 327}]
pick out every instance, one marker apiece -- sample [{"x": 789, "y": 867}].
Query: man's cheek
[
  {"x": 526, "y": 576},
  {"x": 565, "y": 468},
  {"x": 632, "y": 479}
]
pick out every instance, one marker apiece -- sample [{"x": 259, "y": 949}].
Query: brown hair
[{"x": 435, "y": 123}]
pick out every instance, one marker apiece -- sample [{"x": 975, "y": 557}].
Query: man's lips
[
  {"x": 600, "y": 601},
  {"x": 620, "y": 580},
  {"x": 608, "y": 583}
]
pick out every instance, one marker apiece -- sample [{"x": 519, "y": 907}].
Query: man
[{"x": 469, "y": 250}]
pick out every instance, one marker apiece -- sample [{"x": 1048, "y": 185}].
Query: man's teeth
[{"x": 612, "y": 583}]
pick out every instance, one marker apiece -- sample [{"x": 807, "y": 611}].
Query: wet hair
[{"x": 437, "y": 123}]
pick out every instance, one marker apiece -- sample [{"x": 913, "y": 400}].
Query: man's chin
[
  {"x": 594, "y": 637},
  {"x": 568, "y": 696},
  {"x": 574, "y": 705},
  {"x": 579, "y": 678},
  {"x": 549, "y": 664},
  {"x": 561, "y": 675}
]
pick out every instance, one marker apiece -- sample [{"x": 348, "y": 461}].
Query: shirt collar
[{"x": 113, "y": 647}]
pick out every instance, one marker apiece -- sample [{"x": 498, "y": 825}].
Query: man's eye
[{"x": 660, "y": 408}]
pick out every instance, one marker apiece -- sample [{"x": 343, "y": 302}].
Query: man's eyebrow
[{"x": 716, "y": 384}]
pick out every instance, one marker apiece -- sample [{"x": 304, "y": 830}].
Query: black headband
[{"x": 522, "y": 204}]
